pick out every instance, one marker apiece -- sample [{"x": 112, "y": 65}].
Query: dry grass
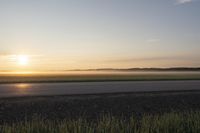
[{"x": 167, "y": 123}]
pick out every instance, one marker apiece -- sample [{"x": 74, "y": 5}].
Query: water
[{"x": 40, "y": 89}]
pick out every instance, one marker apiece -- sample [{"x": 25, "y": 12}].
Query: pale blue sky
[{"x": 67, "y": 34}]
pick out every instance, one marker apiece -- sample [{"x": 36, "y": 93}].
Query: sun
[{"x": 22, "y": 60}]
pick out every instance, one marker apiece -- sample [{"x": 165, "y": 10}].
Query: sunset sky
[{"x": 80, "y": 34}]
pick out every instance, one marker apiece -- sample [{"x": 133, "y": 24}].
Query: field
[
  {"x": 138, "y": 112},
  {"x": 96, "y": 76},
  {"x": 152, "y": 112},
  {"x": 167, "y": 123}
]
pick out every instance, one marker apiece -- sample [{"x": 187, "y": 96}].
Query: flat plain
[
  {"x": 93, "y": 76},
  {"x": 167, "y": 111}
]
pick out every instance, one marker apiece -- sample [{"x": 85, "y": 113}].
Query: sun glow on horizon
[{"x": 23, "y": 60}]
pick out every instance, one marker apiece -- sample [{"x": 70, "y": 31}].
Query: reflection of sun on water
[{"x": 22, "y": 88}]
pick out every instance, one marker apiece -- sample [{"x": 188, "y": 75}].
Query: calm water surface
[{"x": 37, "y": 89}]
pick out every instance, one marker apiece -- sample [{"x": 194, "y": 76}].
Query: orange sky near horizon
[{"x": 45, "y": 35}]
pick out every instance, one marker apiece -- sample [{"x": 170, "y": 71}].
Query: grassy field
[
  {"x": 103, "y": 77},
  {"x": 156, "y": 112},
  {"x": 188, "y": 122}
]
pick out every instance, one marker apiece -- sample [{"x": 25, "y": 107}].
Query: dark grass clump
[{"x": 188, "y": 122}]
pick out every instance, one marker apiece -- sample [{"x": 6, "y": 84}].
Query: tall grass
[{"x": 166, "y": 123}]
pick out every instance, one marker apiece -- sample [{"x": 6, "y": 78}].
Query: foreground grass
[{"x": 166, "y": 123}]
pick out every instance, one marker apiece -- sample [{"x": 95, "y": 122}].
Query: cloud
[
  {"x": 153, "y": 40},
  {"x": 156, "y": 58},
  {"x": 2, "y": 54},
  {"x": 143, "y": 59},
  {"x": 183, "y": 1},
  {"x": 9, "y": 55}
]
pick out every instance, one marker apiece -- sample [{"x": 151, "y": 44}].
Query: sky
[{"x": 86, "y": 34}]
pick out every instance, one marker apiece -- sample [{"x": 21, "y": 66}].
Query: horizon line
[{"x": 115, "y": 69}]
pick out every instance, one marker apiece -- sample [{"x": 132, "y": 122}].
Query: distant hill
[
  {"x": 122, "y": 69},
  {"x": 143, "y": 69}
]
